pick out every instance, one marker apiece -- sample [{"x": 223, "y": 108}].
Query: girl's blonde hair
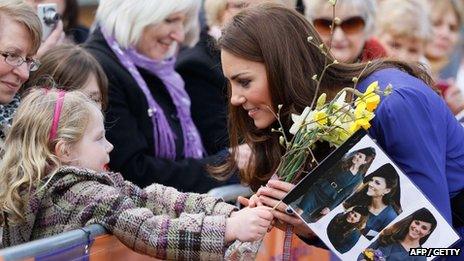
[{"x": 30, "y": 159}]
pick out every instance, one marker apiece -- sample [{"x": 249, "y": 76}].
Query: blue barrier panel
[{"x": 71, "y": 245}]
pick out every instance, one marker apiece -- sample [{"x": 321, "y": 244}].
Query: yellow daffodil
[
  {"x": 370, "y": 98},
  {"x": 320, "y": 117},
  {"x": 363, "y": 117}
]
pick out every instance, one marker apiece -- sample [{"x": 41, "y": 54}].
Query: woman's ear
[
  {"x": 64, "y": 152},
  {"x": 386, "y": 191}
]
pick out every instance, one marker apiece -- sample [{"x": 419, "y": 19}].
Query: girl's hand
[
  {"x": 248, "y": 224},
  {"x": 252, "y": 202}
]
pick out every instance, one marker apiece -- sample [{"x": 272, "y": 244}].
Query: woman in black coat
[{"x": 148, "y": 118}]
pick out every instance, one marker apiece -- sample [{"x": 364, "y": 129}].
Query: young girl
[
  {"x": 72, "y": 68},
  {"x": 54, "y": 179}
]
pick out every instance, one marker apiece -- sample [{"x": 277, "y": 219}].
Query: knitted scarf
[{"x": 6, "y": 115}]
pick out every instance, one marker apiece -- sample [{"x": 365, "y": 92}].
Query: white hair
[
  {"x": 367, "y": 9},
  {"x": 126, "y": 19}
]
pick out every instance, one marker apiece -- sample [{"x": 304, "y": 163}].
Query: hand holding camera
[
  {"x": 49, "y": 18},
  {"x": 52, "y": 27}
]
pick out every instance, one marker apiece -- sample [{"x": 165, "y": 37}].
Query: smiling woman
[
  {"x": 411, "y": 232},
  {"x": 20, "y": 34},
  {"x": 148, "y": 118}
]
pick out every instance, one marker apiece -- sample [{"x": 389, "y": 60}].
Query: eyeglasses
[
  {"x": 16, "y": 61},
  {"x": 349, "y": 26}
]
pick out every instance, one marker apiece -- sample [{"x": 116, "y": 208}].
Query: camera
[{"x": 49, "y": 18}]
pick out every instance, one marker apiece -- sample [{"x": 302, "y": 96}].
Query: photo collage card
[{"x": 361, "y": 204}]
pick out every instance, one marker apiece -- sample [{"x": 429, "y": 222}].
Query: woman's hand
[
  {"x": 248, "y": 224},
  {"x": 55, "y": 38},
  {"x": 271, "y": 196},
  {"x": 325, "y": 211},
  {"x": 454, "y": 98}
]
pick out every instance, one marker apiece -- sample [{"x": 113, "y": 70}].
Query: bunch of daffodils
[{"x": 331, "y": 121}]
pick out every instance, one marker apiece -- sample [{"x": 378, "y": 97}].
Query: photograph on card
[
  {"x": 356, "y": 194},
  {"x": 395, "y": 242},
  {"x": 332, "y": 181}
]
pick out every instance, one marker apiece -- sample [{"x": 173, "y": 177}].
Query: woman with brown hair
[
  {"x": 336, "y": 185},
  {"x": 411, "y": 232},
  {"x": 344, "y": 230},
  {"x": 71, "y": 67},
  {"x": 381, "y": 194},
  {"x": 275, "y": 66}
]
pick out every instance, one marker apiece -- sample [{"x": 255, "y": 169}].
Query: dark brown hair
[
  {"x": 70, "y": 15},
  {"x": 69, "y": 67},
  {"x": 339, "y": 228},
  {"x": 392, "y": 180},
  {"x": 290, "y": 62},
  {"x": 398, "y": 231},
  {"x": 347, "y": 161}
]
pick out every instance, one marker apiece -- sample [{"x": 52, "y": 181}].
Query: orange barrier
[
  {"x": 108, "y": 247},
  {"x": 271, "y": 248}
]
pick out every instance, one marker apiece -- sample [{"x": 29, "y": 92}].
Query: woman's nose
[
  {"x": 178, "y": 33},
  {"x": 338, "y": 34},
  {"x": 22, "y": 72},
  {"x": 237, "y": 99}
]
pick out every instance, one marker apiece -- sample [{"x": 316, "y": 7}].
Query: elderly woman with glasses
[
  {"x": 20, "y": 34},
  {"x": 351, "y": 40}
]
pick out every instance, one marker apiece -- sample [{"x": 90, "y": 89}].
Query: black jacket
[
  {"x": 200, "y": 67},
  {"x": 130, "y": 129}
]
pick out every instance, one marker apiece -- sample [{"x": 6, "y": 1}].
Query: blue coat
[
  {"x": 378, "y": 222},
  {"x": 418, "y": 131},
  {"x": 394, "y": 252},
  {"x": 322, "y": 194},
  {"x": 341, "y": 240}
]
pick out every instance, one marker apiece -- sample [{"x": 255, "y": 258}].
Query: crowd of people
[{"x": 124, "y": 125}]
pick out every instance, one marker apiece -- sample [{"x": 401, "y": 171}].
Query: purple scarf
[{"x": 164, "y": 138}]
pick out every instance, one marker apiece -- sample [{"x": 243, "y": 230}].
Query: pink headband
[{"x": 56, "y": 114}]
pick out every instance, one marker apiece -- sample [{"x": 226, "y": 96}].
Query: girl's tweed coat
[{"x": 158, "y": 220}]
